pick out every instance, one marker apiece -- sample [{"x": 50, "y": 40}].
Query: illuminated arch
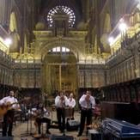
[
  {"x": 13, "y": 22},
  {"x": 59, "y": 49},
  {"x": 13, "y": 26},
  {"x": 62, "y": 10},
  {"x": 52, "y": 44}
]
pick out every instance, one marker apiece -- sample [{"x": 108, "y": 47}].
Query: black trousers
[
  {"x": 61, "y": 118},
  {"x": 73, "y": 113},
  {"x": 43, "y": 120},
  {"x": 86, "y": 117},
  {"x": 7, "y": 124}
]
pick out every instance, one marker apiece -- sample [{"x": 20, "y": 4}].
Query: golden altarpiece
[
  {"x": 66, "y": 63},
  {"x": 61, "y": 57}
]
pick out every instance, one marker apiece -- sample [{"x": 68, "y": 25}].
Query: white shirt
[
  {"x": 43, "y": 113},
  {"x": 71, "y": 102},
  {"x": 58, "y": 102},
  {"x": 39, "y": 113},
  {"x": 11, "y": 100},
  {"x": 84, "y": 103}
]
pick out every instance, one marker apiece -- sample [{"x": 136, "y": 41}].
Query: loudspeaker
[
  {"x": 72, "y": 125},
  {"x": 56, "y": 137},
  {"x": 94, "y": 134}
]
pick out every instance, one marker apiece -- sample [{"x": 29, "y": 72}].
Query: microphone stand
[
  {"x": 30, "y": 120},
  {"x": 29, "y": 123},
  {"x": 64, "y": 133},
  {"x": 64, "y": 113},
  {"x": 42, "y": 130},
  {"x": 29, "y": 112}
]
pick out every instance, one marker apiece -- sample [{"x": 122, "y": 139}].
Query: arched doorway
[{"x": 59, "y": 70}]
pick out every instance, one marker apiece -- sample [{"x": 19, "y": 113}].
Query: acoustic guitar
[
  {"x": 40, "y": 114},
  {"x": 5, "y": 108}
]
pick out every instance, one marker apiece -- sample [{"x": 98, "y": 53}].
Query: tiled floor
[{"x": 27, "y": 130}]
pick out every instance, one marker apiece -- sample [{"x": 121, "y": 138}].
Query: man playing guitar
[
  {"x": 42, "y": 116},
  {"x": 12, "y": 104}
]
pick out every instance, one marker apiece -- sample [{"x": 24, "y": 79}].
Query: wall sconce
[
  {"x": 111, "y": 40},
  {"x": 123, "y": 27},
  {"x": 8, "y": 41}
]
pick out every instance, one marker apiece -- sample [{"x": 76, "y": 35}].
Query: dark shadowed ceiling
[{"x": 47, "y": 5}]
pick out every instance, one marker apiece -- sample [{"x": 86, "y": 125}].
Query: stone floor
[{"x": 27, "y": 130}]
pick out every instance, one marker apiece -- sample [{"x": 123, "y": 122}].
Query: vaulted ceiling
[{"x": 47, "y": 5}]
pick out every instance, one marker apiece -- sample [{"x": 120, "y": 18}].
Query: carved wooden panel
[
  {"x": 88, "y": 80},
  {"x": 81, "y": 78}
]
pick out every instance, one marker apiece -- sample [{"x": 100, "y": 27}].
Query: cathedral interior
[{"x": 73, "y": 45}]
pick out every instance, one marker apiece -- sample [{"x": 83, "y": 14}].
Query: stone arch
[
  {"x": 47, "y": 69},
  {"x": 70, "y": 45}
]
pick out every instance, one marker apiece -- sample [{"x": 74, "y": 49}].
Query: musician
[
  {"x": 8, "y": 118},
  {"x": 87, "y": 103},
  {"x": 42, "y": 116},
  {"x": 61, "y": 102},
  {"x": 71, "y": 104}
]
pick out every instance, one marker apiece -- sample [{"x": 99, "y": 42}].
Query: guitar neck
[{"x": 26, "y": 99}]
